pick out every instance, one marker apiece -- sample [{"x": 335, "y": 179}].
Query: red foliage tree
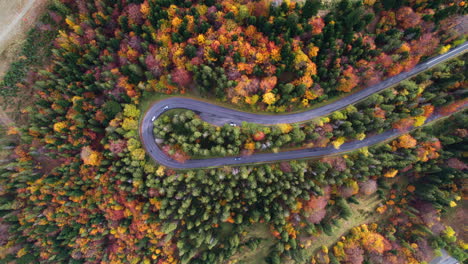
[
  {"x": 338, "y": 163},
  {"x": 315, "y": 208},
  {"x": 425, "y": 45},
  {"x": 456, "y": 164},
  {"x": 267, "y": 84},
  {"x": 258, "y": 136},
  {"x": 181, "y": 77},
  {"x": 379, "y": 112},
  {"x": 117, "y": 146},
  {"x": 404, "y": 124},
  {"x": 260, "y": 8},
  {"x": 385, "y": 60},
  {"x": 317, "y": 25},
  {"x": 135, "y": 14},
  {"x": 285, "y": 167},
  {"x": 354, "y": 253},
  {"x": 115, "y": 215},
  {"x": 153, "y": 65},
  {"x": 368, "y": 187},
  {"x": 407, "y": 18},
  {"x": 316, "y": 216},
  {"x": 177, "y": 154}
]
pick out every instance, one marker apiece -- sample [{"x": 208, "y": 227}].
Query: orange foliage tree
[
  {"x": 348, "y": 81},
  {"x": 405, "y": 141},
  {"x": 404, "y": 124}
]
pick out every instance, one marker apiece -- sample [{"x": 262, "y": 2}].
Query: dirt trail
[
  {"x": 5, "y": 120},
  {"x": 6, "y": 32},
  {"x": 16, "y": 18}
]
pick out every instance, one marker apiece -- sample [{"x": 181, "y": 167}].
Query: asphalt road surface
[
  {"x": 218, "y": 115},
  {"x": 444, "y": 259}
]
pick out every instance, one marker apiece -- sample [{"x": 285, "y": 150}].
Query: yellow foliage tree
[
  {"x": 364, "y": 151},
  {"x": 373, "y": 242},
  {"x": 360, "y": 136},
  {"x": 59, "y": 126},
  {"x": 138, "y": 154},
  {"x": 391, "y": 173},
  {"x": 269, "y": 98},
  {"x": 419, "y": 121},
  {"x": 130, "y": 110},
  {"x": 176, "y": 22},
  {"x": 449, "y": 232},
  {"x": 444, "y": 49},
  {"x": 201, "y": 39},
  {"x": 313, "y": 51},
  {"x": 251, "y": 100},
  {"x": 90, "y": 157},
  {"x": 404, "y": 48},
  {"x": 130, "y": 124},
  {"x": 160, "y": 171},
  {"x": 285, "y": 128},
  {"x": 338, "y": 142},
  {"x": 369, "y": 2},
  {"x": 310, "y": 95}
]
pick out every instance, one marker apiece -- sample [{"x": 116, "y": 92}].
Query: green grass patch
[{"x": 257, "y": 256}]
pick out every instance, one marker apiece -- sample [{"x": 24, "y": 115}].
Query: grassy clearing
[
  {"x": 257, "y": 256},
  {"x": 362, "y": 213},
  {"x": 456, "y": 218}
]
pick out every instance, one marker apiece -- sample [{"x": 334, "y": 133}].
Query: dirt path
[
  {"x": 6, "y": 31},
  {"x": 16, "y": 18},
  {"x": 5, "y": 120}
]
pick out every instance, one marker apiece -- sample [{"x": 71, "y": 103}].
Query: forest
[{"x": 76, "y": 184}]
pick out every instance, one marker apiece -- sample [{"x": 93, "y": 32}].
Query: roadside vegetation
[
  {"x": 78, "y": 187},
  {"x": 439, "y": 91}
]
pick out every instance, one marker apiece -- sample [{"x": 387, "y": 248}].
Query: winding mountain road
[{"x": 218, "y": 115}]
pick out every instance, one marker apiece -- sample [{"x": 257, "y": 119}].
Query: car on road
[
  {"x": 232, "y": 124},
  {"x": 166, "y": 107},
  {"x": 153, "y": 118},
  {"x": 237, "y": 158}
]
